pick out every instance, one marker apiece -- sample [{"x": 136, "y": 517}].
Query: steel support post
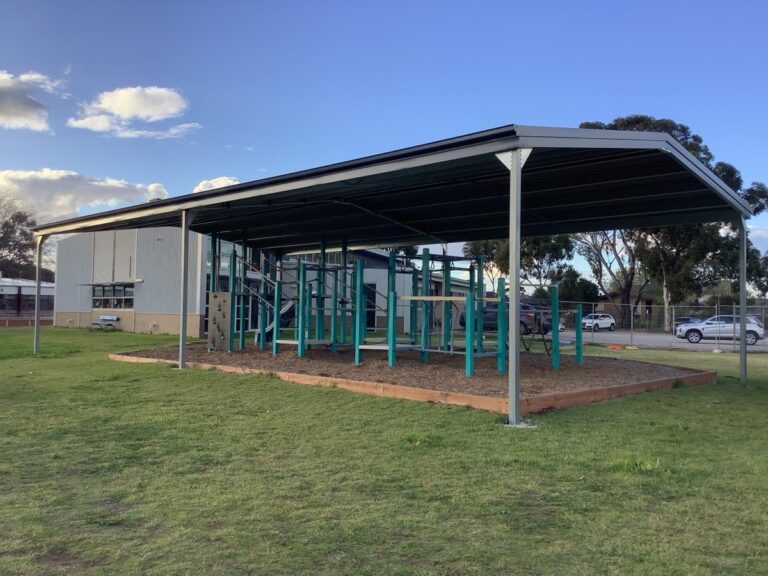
[
  {"x": 301, "y": 312},
  {"x": 469, "y": 352},
  {"x": 743, "y": 300},
  {"x": 425, "y": 336},
  {"x": 480, "y": 302},
  {"x": 334, "y": 309},
  {"x": 39, "y": 241},
  {"x": 391, "y": 327},
  {"x": 501, "y": 324},
  {"x": 555, "y": 313},
  {"x": 264, "y": 293},
  {"x": 514, "y": 161},
  {"x": 447, "y": 306},
  {"x": 579, "y": 336},
  {"x": 183, "y": 287},
  {"x": 360, "y": 305}
]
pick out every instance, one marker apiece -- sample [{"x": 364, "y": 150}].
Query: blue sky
[{"x": 253, "y": 89}]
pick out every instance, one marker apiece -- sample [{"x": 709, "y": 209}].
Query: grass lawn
[{"x": 113, "y": 468}]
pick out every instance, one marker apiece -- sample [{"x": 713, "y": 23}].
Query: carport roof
[{"x": 574, "y": 180}]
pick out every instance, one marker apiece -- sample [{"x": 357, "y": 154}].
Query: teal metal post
[
  {"x": 344, "y": 277},
  {"x": 480, "y": 302},
  {"x": 359, "y": 324},
  {"x": 277, "y": 305},
  {"x": 334, "y": 309},
  {"x": 447, "y": 306},
  {"x": 414, "y": 318},
  {"x": 232, "y": 297},
  {"x": 425, "y": 337},
  {"x": 241, "y": 298},
  {"x": 264, "y": 293},
  {"x": 469, "y": 353},
  {"x": 579, "y": 337},
  {"x": 391, "y": 328},
  {"x": 555, "y": 313},
  {"x": 301, "y": 313},
  {"x": 214, "y": 264},
  {"x": 467, "y": 342},
  {"x": 320, "y": 320},
  {"x": 391, "y": 286},
  {"x": 501, "y": 342}
]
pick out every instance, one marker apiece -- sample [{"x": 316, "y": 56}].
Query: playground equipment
[{"x": 306, "y": 304}]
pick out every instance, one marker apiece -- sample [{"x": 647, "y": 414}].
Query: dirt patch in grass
[{"x": 443, "y": 372}]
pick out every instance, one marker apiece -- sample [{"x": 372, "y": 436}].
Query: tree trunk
[{"x": 666, "y": 296}]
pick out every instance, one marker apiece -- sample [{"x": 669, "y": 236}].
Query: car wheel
[
  {"x": 751, "y": 338},
  {"x": 693, "y": 336},
  {"x": 613, "y": 327},
  {"x": 523, "y": 329},
  {"x": 596, "y": 327}
]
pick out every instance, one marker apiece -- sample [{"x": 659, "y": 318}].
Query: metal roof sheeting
[{"x": 454, "y": 190}]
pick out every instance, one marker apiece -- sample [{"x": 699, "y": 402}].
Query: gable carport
[{"x": 512, "y": 181}]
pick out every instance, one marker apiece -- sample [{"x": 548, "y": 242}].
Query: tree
[
  {"x": 488, "y": 249},
  {"x": 574, "y": 288},
  {"x": 675, "y": 257},
  {"x": 542, "y": 258},
  {"x": 17, "y": 242},
  {"x": 669, "y": 256},
  {"x": 614, "y": 265}
]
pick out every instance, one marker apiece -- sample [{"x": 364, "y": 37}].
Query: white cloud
[
  {"x": 759, "y": 237},
  {"x": 214, "y": 183},
  {"x": 20, "y": 108},
  {"x": 117, "y": 113},
  {"x": 57, "y": 194}
]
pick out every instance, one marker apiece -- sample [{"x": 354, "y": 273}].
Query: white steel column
[
  {"x": 742, "y": 300},
  {"x": 39, "y": 241},
  {"x": 514, "y": 161},
  {"x": 184, "y": 287}
]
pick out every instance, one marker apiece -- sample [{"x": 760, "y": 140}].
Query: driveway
[{"x": 660, "y": 340}]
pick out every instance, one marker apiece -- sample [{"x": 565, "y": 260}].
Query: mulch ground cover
[{"x": 444, "y": 372}]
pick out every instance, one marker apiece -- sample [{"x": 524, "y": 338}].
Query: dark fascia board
[{"x": 486, "y": 142}]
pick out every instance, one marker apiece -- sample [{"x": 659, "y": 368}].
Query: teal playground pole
[
  {"x": 447, "y": 305},
  {"x": 301, "y": 314},
  {"x": 214, "y": 264},
  {"x": 359, "y": 325},
  {"x": 334, "y": 308},
  {"x": 414, "y": 308},
  {"x": 480, "y": 302},
  {"x": 344, "y": 277},
  {"x": 425, "y": 343},
  {"x": 469, "y": 351},
  {"x": 277, "y": 305},
  {"x": 555, "y": 312},
  {"x": 391, "y": 328},
  {"x": 579, "y": 337},
  {"x": 232, "y": 297},
  {"x": 501, "y": 334},
  {"x": 243, "y": 277},
  {"x": 320, "y": 321},
  {"x": 263, "y": 292}
]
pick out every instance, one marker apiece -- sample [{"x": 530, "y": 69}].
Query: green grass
[{"x": 114, "y": 468}]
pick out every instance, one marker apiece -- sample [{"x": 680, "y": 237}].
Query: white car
[
  {"x": 725, "y": 327},
  {"x": 597, "y": 321}
]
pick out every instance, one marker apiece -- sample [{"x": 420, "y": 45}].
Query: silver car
[{"x": 724, "y": 327}]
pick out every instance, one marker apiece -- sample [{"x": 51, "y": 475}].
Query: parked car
[
  {"x": 725, "y": 327},
  {"x": 596, "y": 322},
  {"x": 685, "y": 320},
  {"x": 530, "y": 319}
]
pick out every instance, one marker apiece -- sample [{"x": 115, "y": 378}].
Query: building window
[{"x": 113, "y": 296}]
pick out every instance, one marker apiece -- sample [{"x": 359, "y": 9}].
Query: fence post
[
  {"x": 579, "y": 337},
  {"x": 555, "y": 313}
]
